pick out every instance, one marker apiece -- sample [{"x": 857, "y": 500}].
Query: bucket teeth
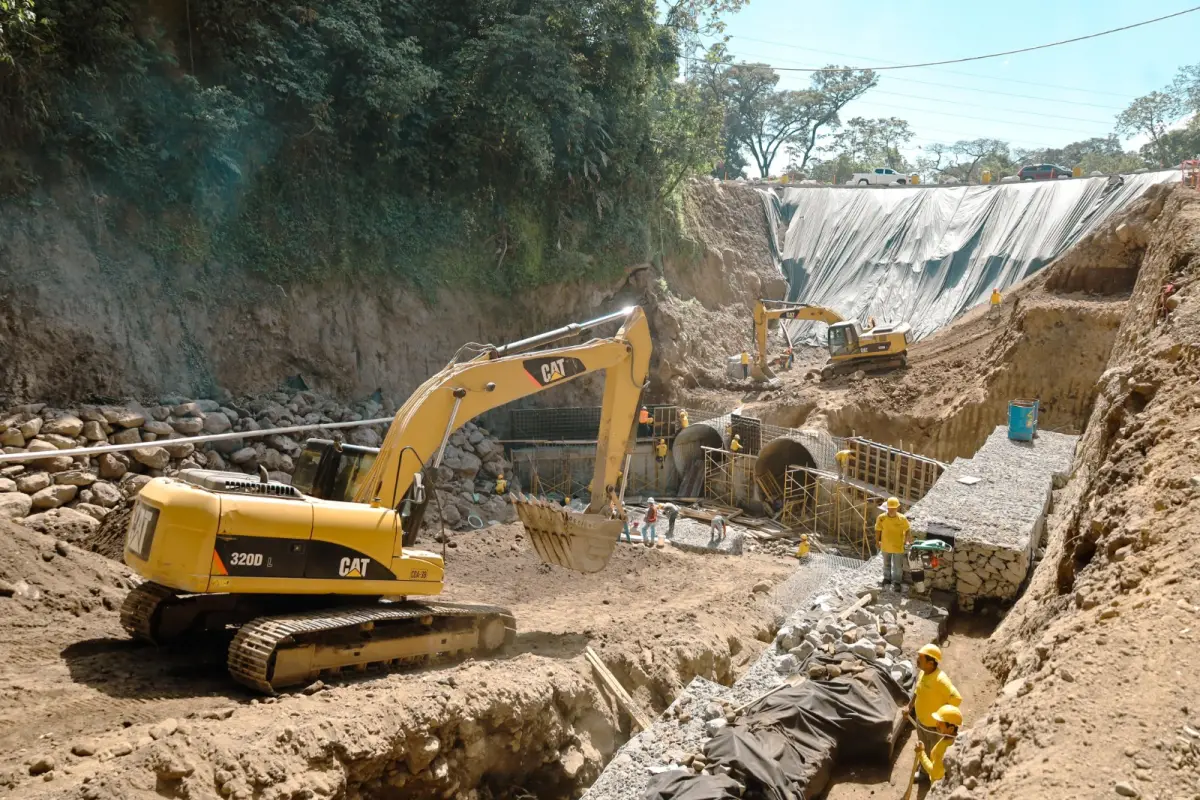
[{"x": 570, "y": 539}]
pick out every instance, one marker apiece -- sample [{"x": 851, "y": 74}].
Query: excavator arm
[
  {"x": 767, "y": 310},
  {"x": 464, "y": 390}
]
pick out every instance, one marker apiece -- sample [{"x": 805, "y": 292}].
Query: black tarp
[{"x": 785, "y": 746}]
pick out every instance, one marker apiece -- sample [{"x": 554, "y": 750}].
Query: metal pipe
[
  {"x": 574, "y": 329},
  {"x": 459, "y": 394},
  {"x": 212, "y": 437}
]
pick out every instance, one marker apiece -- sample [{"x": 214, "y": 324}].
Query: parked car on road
[
  {"x": 1043, "y": 172},
  {"x": 883, "y": 176}
]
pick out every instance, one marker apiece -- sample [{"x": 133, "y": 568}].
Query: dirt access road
[{"x": 73, "y": 680}]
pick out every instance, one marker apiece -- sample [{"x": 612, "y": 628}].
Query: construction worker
[
  {"x": 736, "y": 445},
  {"x": 745, "y": 365},
  {"x": 717, "y": 531},
  {"x": 672, "y": 512},
  {"x": 620, "y": 480},
  {"x": 892, "y": 535},
  {"x": 645, "y": 422},
  {"x": 933, "y": 691},
  {"x": 501, "y": 484},
  {"x": 870, "y": 323},
  {"x": 660, "y": 452},
  {"x": 683, "y": 419},
  {"x": 625, "y": 526},
  {"x": 995, "y": 307},
  {"x": 802, "y": 549},
  {"x": 948, "y": 719},
  {"x": 791, "y": 358},
  {"x": 843, "y": 459},
  {"x": 650, "y": 522}
]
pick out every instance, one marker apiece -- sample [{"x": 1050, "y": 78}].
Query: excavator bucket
[{"x": 577, "y": 541}]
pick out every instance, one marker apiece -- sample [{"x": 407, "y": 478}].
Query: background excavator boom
[{"x": 767, "y": 310}]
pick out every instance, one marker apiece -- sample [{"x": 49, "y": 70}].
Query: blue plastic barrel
[{"x": 1022, "y": 420}]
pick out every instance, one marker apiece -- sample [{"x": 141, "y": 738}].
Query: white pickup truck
[{"x": 882, "y": 176}]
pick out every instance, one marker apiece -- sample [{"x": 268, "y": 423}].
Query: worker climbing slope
[{"x": 947, "y": 720}]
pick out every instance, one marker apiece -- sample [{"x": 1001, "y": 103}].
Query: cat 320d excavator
[
  {"x": 320, "y": 580},
  {"x": 881, "y": 347}
]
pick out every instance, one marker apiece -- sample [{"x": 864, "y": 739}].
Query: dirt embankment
[
  {"x": 1102, "y": 697},
  {"x": 82, "y": 321},
  {"x": 115, "y": 719}
]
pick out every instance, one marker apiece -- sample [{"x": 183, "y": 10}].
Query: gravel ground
[{"x": 695, "y": 536}]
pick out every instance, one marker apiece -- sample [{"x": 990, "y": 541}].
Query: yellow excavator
[
  {"x": 881, "y": 347},
  {"x": 318, "y": 576}
]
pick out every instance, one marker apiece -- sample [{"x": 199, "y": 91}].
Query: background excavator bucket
[{"x": 571, "y": 539}]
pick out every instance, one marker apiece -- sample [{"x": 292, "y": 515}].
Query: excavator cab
[
  {"x": 843, "y": 339},
  {"x": 331, "y": 470}
]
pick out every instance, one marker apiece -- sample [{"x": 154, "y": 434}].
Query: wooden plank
[
  {"x": 862, "y": 601},
  {"x": 618, "y": 691}
]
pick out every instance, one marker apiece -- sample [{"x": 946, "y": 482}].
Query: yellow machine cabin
[
  {"x": 850, "y": 349},
  {"x": 316, "y": 576}
]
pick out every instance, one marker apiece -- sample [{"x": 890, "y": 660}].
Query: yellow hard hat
[
  {"x": 892, "y": 502},
  {"x": 737, "y": 436},
  {"x": 931, "y": 650},
  {"x": 499, "y": 475},
  {"x": 948, "y": 714},
  {"x": 662, "y": 441}
]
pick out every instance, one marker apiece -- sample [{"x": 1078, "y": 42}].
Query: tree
[
  {"x": 837, "y": 87},
  {"x": 874, "y": 141},
  {"x": 16, "y": 21},
  {"x": 1174, "y": 146},
  {"x": 974, "y": 151},
  {"x": 777, "y": 121},
  {"x": 1151, "y": 115},
  {"x": 934, "y": 160}
]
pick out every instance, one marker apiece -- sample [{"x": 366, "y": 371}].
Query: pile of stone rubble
[{"x": 69, "y": 496}]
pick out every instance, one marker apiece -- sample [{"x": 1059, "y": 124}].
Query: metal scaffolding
[
  {"x": 728, "y": 477},
  {"x": 824, "y": 504}
]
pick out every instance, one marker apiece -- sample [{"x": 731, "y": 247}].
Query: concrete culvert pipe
[
  {"x": 779, "y": 454},
  {"x": 687, "y": 444}
]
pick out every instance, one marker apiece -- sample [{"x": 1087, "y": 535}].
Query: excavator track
[
  {"x": 878, "y": 364},
  {"x": 139, "y": 608},
  {"x": 270, "y": 653}
]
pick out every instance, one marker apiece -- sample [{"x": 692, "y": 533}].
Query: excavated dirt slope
[
  {"x": 117, "y": 719},
  {"x": 81, "y": 322}
]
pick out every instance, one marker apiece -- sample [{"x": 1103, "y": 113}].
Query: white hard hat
[{"x": 651, "y": 500}]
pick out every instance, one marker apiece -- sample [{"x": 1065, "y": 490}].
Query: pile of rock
[
  {"x": 874, "y": 633},
  {"x": 69, "y": 495}
]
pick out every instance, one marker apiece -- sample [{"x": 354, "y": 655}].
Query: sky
[{"x": 1046, "y": 98}]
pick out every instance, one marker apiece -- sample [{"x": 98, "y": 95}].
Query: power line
[
  {"x": 995, "y": 55},
  {"x": 993, "y": 120},
  {"x": 947, "y": 71},
  {"x": 875, "y": 92},
  {"x": 755, "y": 58}
]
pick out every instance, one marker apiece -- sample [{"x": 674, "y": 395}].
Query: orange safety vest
[{"x": 644, "y": 416}]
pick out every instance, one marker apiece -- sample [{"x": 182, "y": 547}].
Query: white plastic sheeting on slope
[{"x": 924, "y": 256}]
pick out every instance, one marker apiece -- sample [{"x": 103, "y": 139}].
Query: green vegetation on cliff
[{"x": 508, "y": 142}]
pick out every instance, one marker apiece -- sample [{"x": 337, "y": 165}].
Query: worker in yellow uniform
[
  {"x": 933, "y": 691},
  {"x": 683, "y": 419},
  {"x": 995, "y": 307},
  {"x": 745, "y": 365},
  {"x": 645, "y": 422},
  {"x": 736, "y": 444},
  {"x": 843, "y": 459},
  {"x": 660, "y": 452},
  {"x": 892, "y": 535},
  {"x": 948, "y": 719},
  {"x": 501, "y": 484}
]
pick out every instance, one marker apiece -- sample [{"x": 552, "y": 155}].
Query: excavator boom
[
  {"x": 767, "y": 310},
  {"x": 464, "y": 390}
]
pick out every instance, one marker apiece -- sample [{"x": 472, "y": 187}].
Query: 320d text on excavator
[{"x": 318, "y": 576}]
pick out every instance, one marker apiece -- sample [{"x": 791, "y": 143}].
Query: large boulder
[
  {"x": 12, "y": 438},
  {"x": 246, "y": 457},
  {"x": 127, "y": 436},
  {"x": 158, "y": 428},
  {"x": 178, "y": 450},
  {"x": 125, "y": 417},
  {"x": 64, "y": 426},
  {"x": 131, "y": 484},
  {"x": 216, "y": 422},
  {"x": 76, "y": 477},
  {"x": 188, "y": 426},
  {"x": 113, "y": 466},
  {"x": 365, "y": 437},
  {"x": 30, "y": 428},
  {"x": 14, "y": 505},
  {"x": 31, "y": 482},
  {"x": 94, "y": 511},
  {"x": 54, "y": 496},
  {"x": 152, "y": 457},
  {"x": 105, "y": 494},
  {"x": 94, "y": 432}
]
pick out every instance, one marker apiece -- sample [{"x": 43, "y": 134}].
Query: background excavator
[
  {"x": 316, "y": 577},
  {"x": 881, "y": 347}
]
